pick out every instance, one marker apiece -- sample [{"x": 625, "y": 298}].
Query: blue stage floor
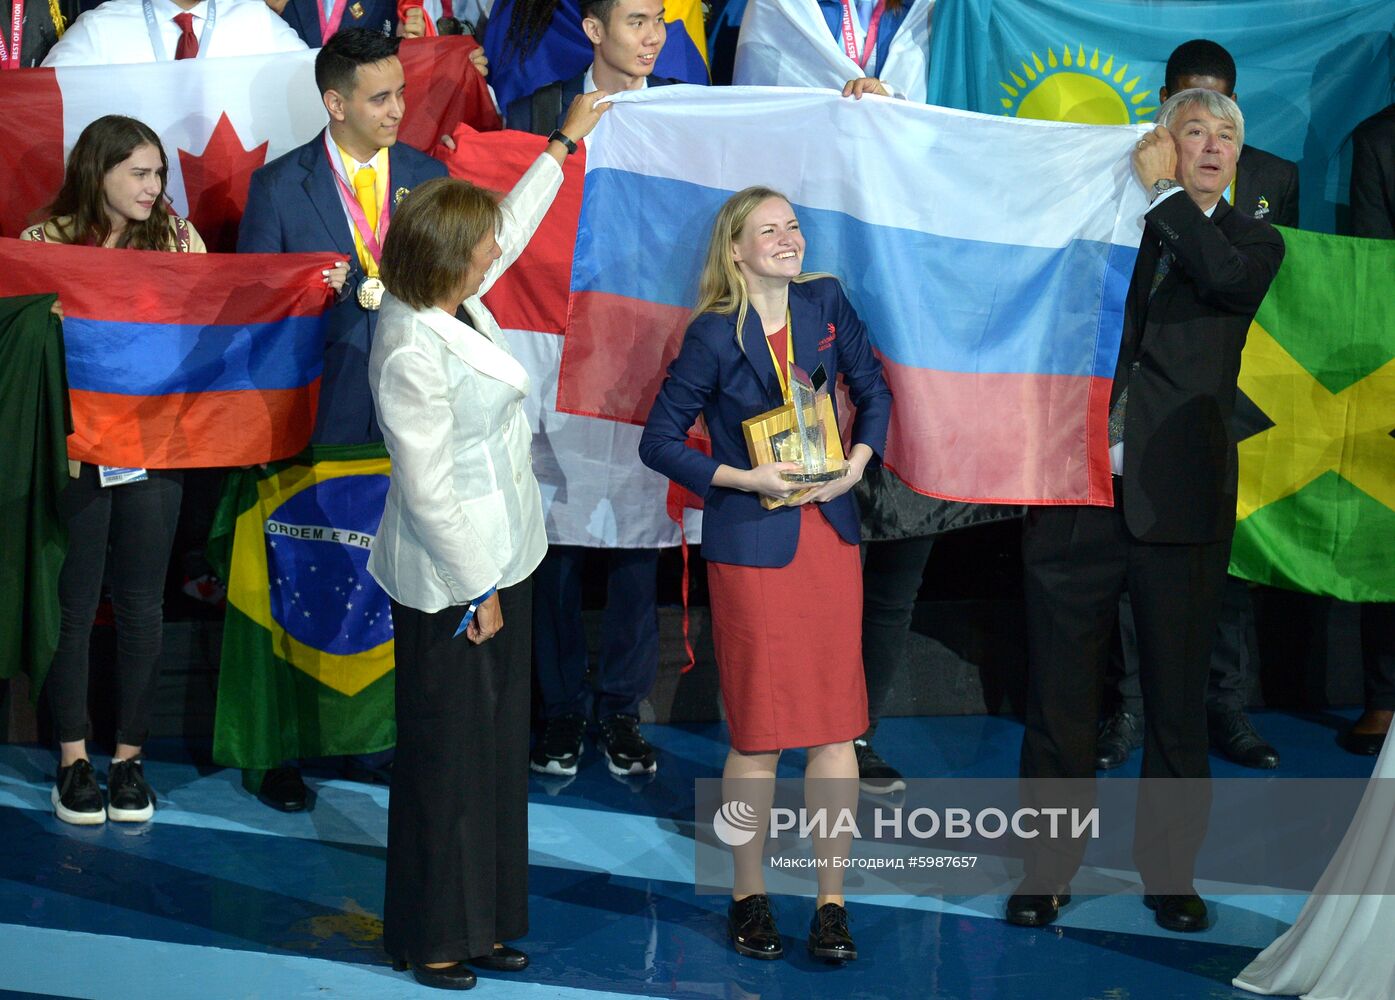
[{"x": 222, "y": 897}]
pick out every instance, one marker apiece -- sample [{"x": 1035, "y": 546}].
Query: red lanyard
[
  {"x": 329, "y": 23},
  {"x": 9, "y": 57},
  {"x": 355, "y": 210},
  {"x": 869, "y": 44}
]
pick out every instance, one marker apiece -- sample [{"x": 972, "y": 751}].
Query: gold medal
[{"x": 370, "y": 293}]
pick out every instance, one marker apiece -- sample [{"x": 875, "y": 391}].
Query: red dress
[{"x": 789, "y": 640}]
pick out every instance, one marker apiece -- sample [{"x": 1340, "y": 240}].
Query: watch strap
[{"x": 558, "y": 136}]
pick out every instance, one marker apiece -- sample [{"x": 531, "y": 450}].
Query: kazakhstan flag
[{"x": 1307, "y": 72}]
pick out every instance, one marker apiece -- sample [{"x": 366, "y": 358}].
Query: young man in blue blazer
[{"x": 305, "y": 201}]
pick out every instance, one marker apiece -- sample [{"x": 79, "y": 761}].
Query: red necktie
[{"x": 188, "y": 46}]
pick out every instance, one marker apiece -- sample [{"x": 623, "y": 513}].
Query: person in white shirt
[
  {"x": 139, "y": 31},
  {"x": 461, "y": 535}
]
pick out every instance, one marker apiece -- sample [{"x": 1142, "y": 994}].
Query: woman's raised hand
[
  {"x": 582, "y": 116},
  {"x": 336, "y": 276}
]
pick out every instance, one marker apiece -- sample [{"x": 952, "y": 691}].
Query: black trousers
[
  {"x": 629, "y": 661},
  {"x": 1077, "y": 562},
  {"x": 457, "y": 852},
  {"x": 891, "y": 575},
  {"x": 135, "y": 522},
  {"x": 1378, "y": 655},
  {"x": 1233, "y": 663}
]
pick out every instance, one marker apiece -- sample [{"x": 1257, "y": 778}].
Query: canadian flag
[{"x": 219, "y": 120}]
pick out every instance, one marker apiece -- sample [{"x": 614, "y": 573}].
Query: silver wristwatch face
[{"x": 1163, "y": 185}]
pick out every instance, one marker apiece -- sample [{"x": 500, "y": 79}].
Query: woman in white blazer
[{"x": 460, "y": 537}]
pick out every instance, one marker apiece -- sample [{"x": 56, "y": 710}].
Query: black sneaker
[
  {"x": 875, "y": 775},
  {"x": 626, "y": 749},
  {"x": 559, "y": 748},
  {"x": 76, "y": 797},
  {"x": 130, "y": 799}
]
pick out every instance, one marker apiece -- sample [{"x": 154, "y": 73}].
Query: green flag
[
  {"x": 1316, "y": 509},
  {"x": 307, "y": 644},
  {"x": 34, "y": 424}
]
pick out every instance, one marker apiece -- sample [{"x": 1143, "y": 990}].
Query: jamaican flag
[
  {"x": 1316, "y": 510},
  {"x": 307, "y": 644}
]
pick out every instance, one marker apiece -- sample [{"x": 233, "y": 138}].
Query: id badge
[{"x": 111, "y": 475}]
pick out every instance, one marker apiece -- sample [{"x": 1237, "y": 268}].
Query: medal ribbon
[
  {"x": 331, "y": 20},
  {"x": 366, "y": 241},
  {"x": 869, "y": 44},
  {"x": 9, "y": 57},
  {"x": 157, "y": 41},
  {"x": 783, "y": 373}
]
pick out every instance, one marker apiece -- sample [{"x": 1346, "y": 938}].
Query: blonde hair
[{"x": 722, "y": 287}]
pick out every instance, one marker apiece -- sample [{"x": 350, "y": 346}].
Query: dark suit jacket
[
  {"x": 1180, "y": 360},
  {"x": 714, "y": 376},
  {"x": 293, "y": 206},
  {"x": 1373, "y": 176},
  {"x": 546, "y": 108},
  {"x": 304, "y": 17},
  {"x": 1266, "y": 187}
]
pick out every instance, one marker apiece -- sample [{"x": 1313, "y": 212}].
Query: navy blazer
[
  {"x": 293, "y": 206},
  {"x": 714, "y": 376},
  {"x": 520, "y": 113},
  {"x": 304, "y": 17}
]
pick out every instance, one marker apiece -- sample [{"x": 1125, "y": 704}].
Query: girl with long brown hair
[{"x": 113, "y": 195}]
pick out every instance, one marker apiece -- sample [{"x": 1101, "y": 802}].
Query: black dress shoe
[
  {"x": 1186, "y": 914},
  {"x": 1234, "y": 736},
  {"x": 1034, "y": 909},
  {"x": 284, "y": 789},
  {"x": 751, "y": 925},
  {"x": 1363, "y": 744},
  {"x": 1120, "y": 735},
  {"x": 502, "y": 959},
  {"x": 452, "y": 977},
  {"x": 828, "y": 934}
]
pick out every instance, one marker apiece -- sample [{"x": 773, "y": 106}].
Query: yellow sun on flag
[{"x": 1077, "y": 87}]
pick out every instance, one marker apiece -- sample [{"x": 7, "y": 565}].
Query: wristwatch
[
  {"x": 557, "y": 136},
  {"x": 1160, "y": 186}
]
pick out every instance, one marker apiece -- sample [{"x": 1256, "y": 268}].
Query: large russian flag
[
  {"x": 595, "y": 491},
  {"x": 989, "y": 257},
  {"x": 218, "y": 119},
  {"x": 182, "y": 360}
]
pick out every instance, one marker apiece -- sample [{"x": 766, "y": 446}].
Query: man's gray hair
[{"x": 1216, "y": 104}]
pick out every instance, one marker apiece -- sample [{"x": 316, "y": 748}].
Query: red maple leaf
[{"x": 215, "y": 182}]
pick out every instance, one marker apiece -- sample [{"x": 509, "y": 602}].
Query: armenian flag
[{"x": 182, "y": 360}]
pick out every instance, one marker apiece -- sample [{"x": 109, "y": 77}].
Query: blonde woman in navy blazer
[{"x": 785, "y": 584}]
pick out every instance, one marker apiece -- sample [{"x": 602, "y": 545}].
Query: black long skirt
[{"x": 457, "y": 852}]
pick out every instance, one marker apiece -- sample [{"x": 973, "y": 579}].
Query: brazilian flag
[
  {"x": 307, "y": 645},
  {"x": 1316, "y": 510}
]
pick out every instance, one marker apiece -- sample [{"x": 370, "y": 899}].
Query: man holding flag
[
  {"x": 335, "y": 194},
  {"x": 1201, "y": 273}
]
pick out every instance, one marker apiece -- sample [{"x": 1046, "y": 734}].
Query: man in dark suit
[
  {"x": 1202, "y": 270},
  {"x": 1265, "y": 187},
  {"x": 626, "y": 37},
  {"x": 336, "y": 194},
  {"x": 1373, "y": 216}
]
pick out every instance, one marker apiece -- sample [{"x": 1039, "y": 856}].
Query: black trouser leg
[{"x": 891, "y": 575}]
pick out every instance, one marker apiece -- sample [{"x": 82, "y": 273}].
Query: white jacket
[{"x": 463, "y": 510}]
